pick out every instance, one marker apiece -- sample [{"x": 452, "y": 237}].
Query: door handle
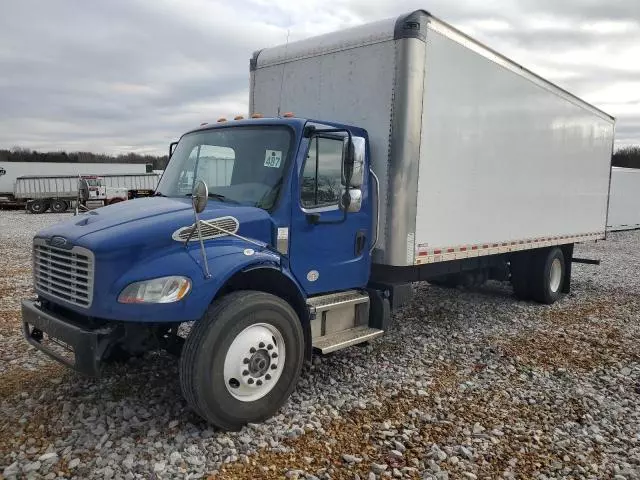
[{"x": 361, "y": 240}]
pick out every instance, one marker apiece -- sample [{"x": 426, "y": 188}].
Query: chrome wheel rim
[
  {"x": 254, "y": 362},
  {"x": 555, "y": 275}
]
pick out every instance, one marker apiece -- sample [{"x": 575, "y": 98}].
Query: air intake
[{"x": 209, "y": 230}]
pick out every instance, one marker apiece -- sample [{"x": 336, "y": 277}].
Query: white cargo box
[
  {"x": 475, "y": 154},
  {"x": 624, "y": 204}
]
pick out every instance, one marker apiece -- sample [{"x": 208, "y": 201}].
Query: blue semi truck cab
[{"x": 260, "y": 232}]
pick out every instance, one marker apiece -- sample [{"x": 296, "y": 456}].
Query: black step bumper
[{"x": 84, "y": 345}]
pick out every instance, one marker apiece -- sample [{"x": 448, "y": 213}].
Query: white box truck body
[
  {"x": 624, "y": 204},
  {"x": 475, "y": 154}
]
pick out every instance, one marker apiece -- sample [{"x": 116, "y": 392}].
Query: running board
[
  {"x": 345, "y": 338},
  {"x": 323, "y": 303}
]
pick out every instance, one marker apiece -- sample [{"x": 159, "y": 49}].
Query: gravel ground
[{"x": 467, "y": 384}]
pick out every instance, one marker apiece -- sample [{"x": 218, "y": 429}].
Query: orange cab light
[
  {"x": 222, "y": 119},
  {"x": 203, "y": 124},
  {"x": 288, "y": 115},
  {"x": 239, "y": 117},
  {"x": 257, "y": 115}
]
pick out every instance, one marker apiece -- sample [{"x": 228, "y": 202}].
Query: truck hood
[{"x": 149, "y": 223}]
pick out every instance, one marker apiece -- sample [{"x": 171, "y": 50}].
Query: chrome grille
[
  {"x": 209, "y": 230},
  {"x": 66, "y": 274}
]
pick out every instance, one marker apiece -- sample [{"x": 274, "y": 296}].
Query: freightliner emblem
[{"x": 58, "y": 241}]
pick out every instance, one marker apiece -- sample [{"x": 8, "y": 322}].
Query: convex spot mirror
[{"x": 199, "y": 196}]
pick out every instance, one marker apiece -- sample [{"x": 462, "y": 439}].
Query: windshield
[{"x": 243, "y": 165}]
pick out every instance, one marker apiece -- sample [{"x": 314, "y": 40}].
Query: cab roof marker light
[
  {"x": 203, "y": 124},
  {"x": 238, "y": 117},
  {"x": 257, "y": 115},
  {"x": 288, "y": 115},
  {"x": 222, "y": 119}
]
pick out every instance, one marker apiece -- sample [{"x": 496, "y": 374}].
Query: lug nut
[
  {"x": 252, "y": 350},
  {"x": 269, "y": 347},
  {"x": 274, "y": 355},
  {"x": 245, "y": 372},
  {"x": 250, "y": 381},
  {"x": 261, "y": 345},
  {"x": 267, "y": 377},
  {"x": 259, "y": 382},
  {"x": 274, "y": 366},
  {"x": 245, "y": 361}
]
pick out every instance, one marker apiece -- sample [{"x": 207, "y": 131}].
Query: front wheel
[{"x": 242, "y": 360}]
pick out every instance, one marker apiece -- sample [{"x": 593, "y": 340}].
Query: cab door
[{"x": 328, "y": 250}]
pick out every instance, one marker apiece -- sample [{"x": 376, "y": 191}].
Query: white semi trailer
[{"x": 624, "y": 204}]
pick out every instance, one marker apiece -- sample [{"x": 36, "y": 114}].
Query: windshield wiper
[{"x": 218, "y": 196}]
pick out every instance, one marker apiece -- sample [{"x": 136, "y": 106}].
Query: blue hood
[
  {"x": 149, "y": 223},
  {"x": 132, "y": 241}
]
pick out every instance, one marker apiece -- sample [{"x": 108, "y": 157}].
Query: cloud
[{"x": 132, "y": 75}]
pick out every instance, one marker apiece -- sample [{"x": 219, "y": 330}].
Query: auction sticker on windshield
[{"x": 272, "y": 158}]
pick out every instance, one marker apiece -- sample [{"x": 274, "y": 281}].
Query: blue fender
[{"x": 225, "y": 258}]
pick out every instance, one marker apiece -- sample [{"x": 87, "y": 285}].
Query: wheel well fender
[{"x": 270, "y": 279}]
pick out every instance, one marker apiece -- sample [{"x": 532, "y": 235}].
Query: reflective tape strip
[{"x": 442, "y": 254}]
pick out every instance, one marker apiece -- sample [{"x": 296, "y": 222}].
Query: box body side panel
[{"x": 503, "y": 159}]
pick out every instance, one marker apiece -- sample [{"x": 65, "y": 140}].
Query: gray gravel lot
[{"x": 467, "y": 384}]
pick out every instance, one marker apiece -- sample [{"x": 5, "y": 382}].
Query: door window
[{"x": 321, "y": 177}]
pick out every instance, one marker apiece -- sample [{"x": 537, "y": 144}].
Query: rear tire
[
  {"x": 221, "y": 345},
  {"x": 549, "y": 270},
  {"x": 59, "y": 206},
  {"x": 521, "y": 275},
  {"x": 37, "y": 206}
]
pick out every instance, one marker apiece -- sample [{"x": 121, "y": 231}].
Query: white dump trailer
[
  {"x": 10, "y": 171},
  {"x": 58, "y": 193},
  {"x": 476, "y": 155},
  {"x": 624, "y": 204}
]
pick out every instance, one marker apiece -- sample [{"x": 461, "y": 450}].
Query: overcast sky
[{"x": 131, "y": 75}]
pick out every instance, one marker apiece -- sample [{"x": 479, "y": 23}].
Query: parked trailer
[
  {"x": 624, "y": 204},
  {"x": 10, "y": 171},
  {"x": 58, "y": 193},
  {"x": 422, "y": 155}
]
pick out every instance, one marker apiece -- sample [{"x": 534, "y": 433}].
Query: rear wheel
[
  {"x": 59, "y": 206},
  {"x": 548, "y": 273},
  {"x": 37, "y": 206},
  {"x": 242, "y": 360}
]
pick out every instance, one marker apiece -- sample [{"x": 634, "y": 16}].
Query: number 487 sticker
[{"x": 272, "y": 158}]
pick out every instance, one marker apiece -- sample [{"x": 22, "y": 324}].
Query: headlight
[{"x": 156, "y": 290}]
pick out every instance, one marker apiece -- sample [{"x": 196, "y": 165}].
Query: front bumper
[{"x": 85, "y": 346}]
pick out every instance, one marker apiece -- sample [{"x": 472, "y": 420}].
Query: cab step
[
  {"x": 345, "y": 338},
  {"x": 332, "y": 301}
]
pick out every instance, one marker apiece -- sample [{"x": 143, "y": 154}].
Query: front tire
[{"x": 242, "y": 360}]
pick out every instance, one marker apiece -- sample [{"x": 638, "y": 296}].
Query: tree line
[
  {"x": 627, "y": 157},
  {"x": 26, "y": 155},
  {"x": 624, "y": 157}
]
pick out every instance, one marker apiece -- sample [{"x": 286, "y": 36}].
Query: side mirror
[
  {"x": 354, "y": 162},
  {"x": 172, "y": 147},
  {"x": 199, "y": 196}
]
